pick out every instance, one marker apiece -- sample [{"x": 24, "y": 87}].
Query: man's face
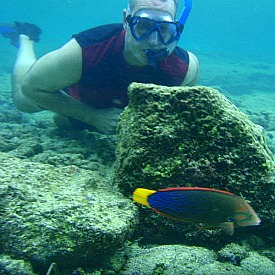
[{"x": 134, "y": 51}]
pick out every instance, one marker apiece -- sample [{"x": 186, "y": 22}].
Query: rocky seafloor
[{"x": 61, "y": 212}]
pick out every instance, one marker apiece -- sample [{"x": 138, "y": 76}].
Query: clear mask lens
[{"x": 142, "y": 27}]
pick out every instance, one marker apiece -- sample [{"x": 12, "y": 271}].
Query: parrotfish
[{"x": 216, "y": 209}]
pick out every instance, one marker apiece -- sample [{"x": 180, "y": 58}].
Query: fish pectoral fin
[
  {"x": 207, "y": 226},
  {"x": 227, "y": 227}
]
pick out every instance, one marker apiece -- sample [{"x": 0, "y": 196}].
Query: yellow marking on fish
[{"x": 141, "y": 195}]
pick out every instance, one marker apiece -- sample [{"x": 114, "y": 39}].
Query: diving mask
[{"x": 144, "y": 23}]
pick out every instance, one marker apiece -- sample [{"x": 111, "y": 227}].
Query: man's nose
[{"x": 154, "y": 38}]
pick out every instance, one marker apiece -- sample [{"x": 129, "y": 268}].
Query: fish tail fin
[{"x": 141, "y": 195}]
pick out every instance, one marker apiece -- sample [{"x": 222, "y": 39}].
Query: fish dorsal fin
[{"x": 196, "y": 189}]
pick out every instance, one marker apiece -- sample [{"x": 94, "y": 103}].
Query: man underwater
[{"x": 86, "y": 80}]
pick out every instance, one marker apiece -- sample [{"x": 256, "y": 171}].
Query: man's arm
[
  {"x": 43, "y": 83},
  {"x": 193, "y": 71},
  {"x": 48, "y": 75}
]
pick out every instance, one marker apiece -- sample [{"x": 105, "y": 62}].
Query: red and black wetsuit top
[{"x": 106, "y": 75}]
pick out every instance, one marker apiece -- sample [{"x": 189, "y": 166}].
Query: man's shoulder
[
  {"x": 98, "y": 34},
  {"x": 182, "y": 54}
]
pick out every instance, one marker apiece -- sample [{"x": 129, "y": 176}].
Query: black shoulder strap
[{"x": 182, "y": 54}]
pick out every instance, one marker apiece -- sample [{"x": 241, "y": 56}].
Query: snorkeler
[{"x": 86, "y": 80}]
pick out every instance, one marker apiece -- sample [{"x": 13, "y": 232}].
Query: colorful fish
[{"x": 214, "y": 208}]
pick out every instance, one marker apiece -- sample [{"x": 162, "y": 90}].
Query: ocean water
[
  {"x": 234, "y": 41},
  {"x": 218, "y": 32},
  {"x": 243, "y": 29}
]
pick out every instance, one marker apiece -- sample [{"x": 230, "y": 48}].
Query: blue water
[
  {"x": 227, "y": 36},
  {"x": 233, "y": 39},
  {"x": 242, "y": 29}
]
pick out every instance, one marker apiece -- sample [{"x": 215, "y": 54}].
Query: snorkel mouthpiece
[{"x": 155, "y": 56}]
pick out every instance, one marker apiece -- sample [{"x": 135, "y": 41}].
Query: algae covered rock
[
  {"x": 180, "y": 259},
  {"x": 232, "y": 253},
  {"x": 9, "y": 266},
  {"x": 67, "y": 215},
  {"x": 167, "y": 259},
  {"x": 192, "y": 136}
]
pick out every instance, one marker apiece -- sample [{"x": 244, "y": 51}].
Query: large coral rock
[
  {"x": 67, "y": 215},
  {"x": 192, "y": 136}
]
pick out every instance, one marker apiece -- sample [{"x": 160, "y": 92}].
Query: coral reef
[
  {"x": 191, "y": 136},
  {"x": 59, "y": 205},
  {"x": 9, "y": 266},
  {"x": 180, "y": 259},
  {"x": 66, "y": 215},
  {"x": 232, "y": 253},
  {"x": 180, "y": 136}
]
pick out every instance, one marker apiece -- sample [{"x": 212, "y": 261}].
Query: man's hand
[{"x": 106, "y": 120}]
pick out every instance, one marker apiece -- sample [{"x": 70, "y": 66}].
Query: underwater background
[
  {"x": 235, "y": 33},
  {"x": 234, "y": 41},
  {"x": 241, "y": 30}
]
